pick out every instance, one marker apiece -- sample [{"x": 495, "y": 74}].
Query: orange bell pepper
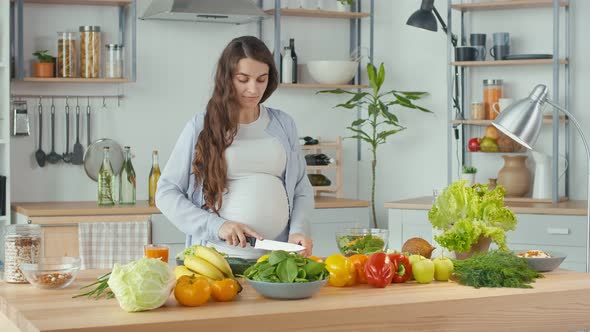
[{"x": 359, "y": 261}]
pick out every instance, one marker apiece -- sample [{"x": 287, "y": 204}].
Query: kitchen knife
[{"x": 273, "y": 245}]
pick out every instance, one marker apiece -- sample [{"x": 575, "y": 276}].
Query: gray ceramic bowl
[
  {"x": 287, "y": 291},
  {"x": 545, "y": 264}
]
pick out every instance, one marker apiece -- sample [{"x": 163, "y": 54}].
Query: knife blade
[{"x": 274, "y": 245}]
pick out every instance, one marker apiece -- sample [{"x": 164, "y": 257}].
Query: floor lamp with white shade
[{"x": 522, "y": 122}]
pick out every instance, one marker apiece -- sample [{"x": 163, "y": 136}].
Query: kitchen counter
[
  {"x": 561, "y": 208},
  {"x": 45, "y": 209},
  {"x": 559, "y": 302}
]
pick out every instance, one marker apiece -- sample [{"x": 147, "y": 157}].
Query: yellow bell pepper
[{"x": 342, "y": 271}]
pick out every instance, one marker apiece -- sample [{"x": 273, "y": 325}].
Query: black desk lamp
[{"x": 424, "y": 18}]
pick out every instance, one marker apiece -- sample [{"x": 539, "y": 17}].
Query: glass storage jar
[
  {"x": 114, "y": 61},
  {"x": 492, "y": 92},
  {"x": 20, "y": 244},
  {"x": 66, "y": 54},
  {"x": 90, "y": 51}
]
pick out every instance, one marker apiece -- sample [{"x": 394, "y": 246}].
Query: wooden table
[{"x": 560, "y": 302}]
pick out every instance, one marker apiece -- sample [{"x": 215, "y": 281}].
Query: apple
[
  {"x": 473, "y": 144},
  {"x": 414, "y": 258},
  {"x": 443, "y": 268},
  {"x": 423, "y": 270}
]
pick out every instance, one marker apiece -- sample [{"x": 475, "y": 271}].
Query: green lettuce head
[{"x": 142, "y": 285}]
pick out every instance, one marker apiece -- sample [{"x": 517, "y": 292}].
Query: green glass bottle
[
  {"x": 106, "y": 180},
  {"x": 127, "y": 184}
]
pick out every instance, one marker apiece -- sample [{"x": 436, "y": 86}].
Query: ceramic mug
[
  {"x": 502, "y": 104},
  {"x": 466, "y": 53}
]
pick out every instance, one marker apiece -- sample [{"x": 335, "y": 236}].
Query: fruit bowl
[
  {"x": 332, "y": 71},
  {"x": 362, "y": 240},
  {"x": 51, "y": 272},
  {"x": 287, "y": 291},
  {"x": 545, "y": 264}
]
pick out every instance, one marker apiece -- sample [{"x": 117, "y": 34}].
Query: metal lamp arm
[
  {"x": 444, "y": 26},
  {"x": 579, "y": 128}
]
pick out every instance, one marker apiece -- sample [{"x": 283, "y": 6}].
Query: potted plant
[
  {"x": 344, "y": 5},
  {"x": 44, "y": 67},
  {"x": 469, "y": 174},
  {"x": 470, "y": 218},
  {"x": 379, "y": 120}
]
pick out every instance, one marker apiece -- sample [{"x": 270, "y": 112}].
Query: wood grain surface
[{"x": 559, "y": 302}]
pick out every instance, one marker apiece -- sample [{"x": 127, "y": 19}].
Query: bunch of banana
[{"x": 206, "y": 262}]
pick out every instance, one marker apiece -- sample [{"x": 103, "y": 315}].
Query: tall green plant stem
[{"x": 377, "y": 105}]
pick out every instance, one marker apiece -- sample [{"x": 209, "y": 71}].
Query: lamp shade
[
  {"x": 424, "y": 18},
  {"x": 523, "y": 119}
]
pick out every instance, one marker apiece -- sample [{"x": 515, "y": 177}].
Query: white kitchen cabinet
[{"x": 561, "y": 233}]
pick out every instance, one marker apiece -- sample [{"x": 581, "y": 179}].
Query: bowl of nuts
[{"x": 51, "y": 272}]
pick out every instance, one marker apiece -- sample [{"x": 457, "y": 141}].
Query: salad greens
[
  {"x": 360, "y": 244},
  {"x": 495, "y": 269},
  {"x": 285, "y": 267},
  {"x": 466, "y": 213}
]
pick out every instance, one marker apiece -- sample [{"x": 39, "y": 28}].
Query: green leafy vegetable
[
  {"x": 142, "y": 285},
  {"x": 360, "y": 244},
  {"x": 286, "y": 267},
  {"x": 101, "y": 289},
  {"x": 466, "y": 213},
  {"x": 495, "y": 268}
]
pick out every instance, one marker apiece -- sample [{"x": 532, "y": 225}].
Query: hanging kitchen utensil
[
  {"x": 53, "y": 157},
  {"x": 20, "y": 118},
  {"x": 67, "y": 155},
  {"x": 88, "y": 142},
  {"x": 94, "y": 156},
  {"x": 78, "y": 158},
  {"x": 40, "y": 154}
]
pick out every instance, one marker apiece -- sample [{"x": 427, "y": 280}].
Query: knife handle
[{"x": 251, "y": 240}]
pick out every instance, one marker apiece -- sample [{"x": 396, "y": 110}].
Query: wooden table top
[
  {"x": 559, "y": 302},
  {"x": 561, "y": 208},
  {"x": 47, "y": 209}
]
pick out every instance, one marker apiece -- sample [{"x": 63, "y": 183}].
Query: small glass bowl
[
  {"x": 51, "y": 272},
  {"x": 347, "y": 240}
]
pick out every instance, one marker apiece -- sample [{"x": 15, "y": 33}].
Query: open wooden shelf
[
  {"x": 547, "y": 119},
  {"x": 82, "y": 2},
  {"x": 74, "y": 80},
  {"x": 322, "y": 167},
  {"x": 323, "y": 86},
  {"x": 533, "y": 200},
  {"x": 491, "y": 63},
  {"x": 501, "y": 5},
  {"x": 300, "y": 12}
]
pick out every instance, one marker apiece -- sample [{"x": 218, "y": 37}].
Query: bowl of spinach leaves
[
  {"x": 362, "y": 240},
  {"x": 287, "y": 276}
]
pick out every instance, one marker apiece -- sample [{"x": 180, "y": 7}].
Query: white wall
[{"x": 175, "y": 65}]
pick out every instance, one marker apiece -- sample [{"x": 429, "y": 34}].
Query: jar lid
[
  {"x": 23, "y": 229},
  {"x": 114, "y": 46},
  {"x": 66, "y": 35},
  {"x": 492, "y": 82},
  {"x": 89, "y": 28}
]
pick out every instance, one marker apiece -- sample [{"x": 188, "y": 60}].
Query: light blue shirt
[{"x": 178, "y": 200}]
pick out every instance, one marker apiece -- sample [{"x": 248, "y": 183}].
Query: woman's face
[{"x": 250, "y": 81}]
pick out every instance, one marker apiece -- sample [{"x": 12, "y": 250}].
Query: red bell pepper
[
  {"x": 379, "y": 270},
  {"x": 403, "y": 271}
]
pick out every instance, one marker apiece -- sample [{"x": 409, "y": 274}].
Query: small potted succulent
[
  {"x": 344, "y": 5},
  {"x": 469, "y": 174},
  {"x": 45, "y": 64}
]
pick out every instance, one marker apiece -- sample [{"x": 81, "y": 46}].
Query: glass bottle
[
  {"x": 127, "y": 184},
  {"x": 153, "y": 179},
  {"x": 287, "y": 67},
  {"x": 294, "y": 60},
  {"x": 106, "y": 179}
]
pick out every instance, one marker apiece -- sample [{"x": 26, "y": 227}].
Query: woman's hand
[
  {"x": 302, "y": 240},
  {"x": 234, "y": 233}
]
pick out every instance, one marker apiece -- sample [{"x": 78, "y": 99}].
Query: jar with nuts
[
  {"x": 90, "y": 47},
  {"x": 66, "y": 54}
]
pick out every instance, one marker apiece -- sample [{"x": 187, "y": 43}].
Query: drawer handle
[{"x": 558, "y": 231}]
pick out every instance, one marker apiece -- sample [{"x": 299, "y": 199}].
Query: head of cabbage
[{"x": 142, "y": 285}]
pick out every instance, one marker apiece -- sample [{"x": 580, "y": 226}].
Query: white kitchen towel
[{"x": 103, "y": 244}]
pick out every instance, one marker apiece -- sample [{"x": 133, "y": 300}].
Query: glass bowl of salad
[{"x": 362, "y": 240}]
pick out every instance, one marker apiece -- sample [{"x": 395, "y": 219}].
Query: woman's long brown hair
[{"x": 221, "y": 119}]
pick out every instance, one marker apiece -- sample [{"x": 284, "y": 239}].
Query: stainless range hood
[{"x": 216, "y": 11}]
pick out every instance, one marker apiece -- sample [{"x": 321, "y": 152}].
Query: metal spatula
[{"x": 78, "y": 158}]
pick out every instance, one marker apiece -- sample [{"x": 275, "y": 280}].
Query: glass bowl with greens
[{"x": 362, "y": 240}]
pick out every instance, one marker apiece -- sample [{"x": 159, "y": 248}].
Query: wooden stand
[{"x": 335, "y": 145}]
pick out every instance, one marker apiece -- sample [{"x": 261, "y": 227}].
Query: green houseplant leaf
[{"x": 380, "y": 122}]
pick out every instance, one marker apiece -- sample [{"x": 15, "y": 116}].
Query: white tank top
[{"x": 256, "y": 195}]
